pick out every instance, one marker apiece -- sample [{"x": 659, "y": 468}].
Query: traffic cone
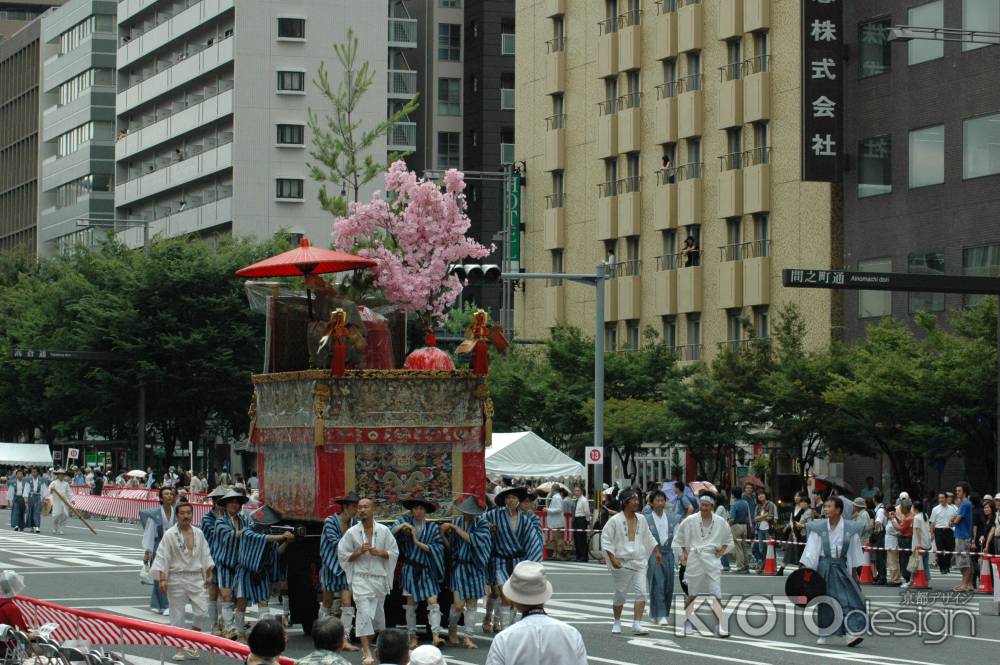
[
  {"x": 985, "y": 575},
  {"x": 770, "y": 563},
  {"x": 866, "y": 570},
  {"x": 919, "y": 575}
]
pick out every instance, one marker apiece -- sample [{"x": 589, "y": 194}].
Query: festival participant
[
  {"x": 660, "y": 569},
  {"x": 517, "y": 537},
  {"x": 228, "y": 533},
  {"x": 582, "y": 516},
  {"x": 184, "y": 566},
  {"x": 155, "y": 521},
  {"x": 60, "y": 509},
  {"x": 333, "y": 582},
  {"x": 627, "y": 544},
  {"x": 833, "y": 549},
  {"x": 260, "y": 558},
  {"x": 32, "y": 491},
  {"x": 704, "y": 538},
  {"x": 368, "y": 553},
  {"x": 468, "y": 539},
  {"x": 208, "y": 530},
  {"x": 15, "y": 486},
  {"x": 422, "y": 550},
  {"x": 555, "y": 520}
]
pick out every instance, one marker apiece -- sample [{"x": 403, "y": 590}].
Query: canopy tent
[
  {"x": 527, "y": 454},
  {"x": 25, "y": 454}
]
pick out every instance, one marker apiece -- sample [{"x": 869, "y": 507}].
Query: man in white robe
[
  {"x": 704, "y": 538},
  {"x": 60, "y": 511},
  {"x": 368, "y": 552},
  {"x": 627, "y": 544},
  {"x": 184, "y": 564}
]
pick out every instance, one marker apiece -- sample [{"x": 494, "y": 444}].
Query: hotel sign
[{"x": 822, "y": 89}]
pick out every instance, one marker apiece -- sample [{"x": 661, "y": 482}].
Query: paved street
[{"x": 100, "y": 573}]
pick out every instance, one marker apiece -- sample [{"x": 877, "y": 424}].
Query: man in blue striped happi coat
[
  {"x": 228, "y": 534},
  {"x": 260, "y": 558},
  {"x": 208, "y": 528},
  {"x": 332, "y": 578},
  {"x": 422, "y": 551},
  {"x": 517, "y": 537},
  {"x": 469, "y": 540}
]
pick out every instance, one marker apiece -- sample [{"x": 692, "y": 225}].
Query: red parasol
[
  {"x": 753, "y": 480},
  {"x": 305, "y": 260}
]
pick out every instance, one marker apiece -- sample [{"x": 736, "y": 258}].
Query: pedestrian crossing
[{"x": 36, "y": 552}]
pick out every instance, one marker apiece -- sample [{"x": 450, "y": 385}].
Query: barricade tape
[{"x": 110, "y": 630}]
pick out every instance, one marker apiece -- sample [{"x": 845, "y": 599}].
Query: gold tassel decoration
[
  {"x": 252, "y": 414},
  {"x": 488, "y": 428},
  {"x": 321, "y": 395}
]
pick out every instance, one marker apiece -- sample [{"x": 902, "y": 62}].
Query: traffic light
[{"x": 475, "y": 272}]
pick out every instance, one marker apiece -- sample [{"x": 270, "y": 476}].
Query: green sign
[{"x": 515, "y": 217}]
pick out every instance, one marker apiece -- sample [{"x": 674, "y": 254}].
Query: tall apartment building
[
  {"x": 212, "y": 103},
  {"x": 15, "y": 14},
  {"x": 608, "y": 94},
  {"x": 77, "y": 149}
]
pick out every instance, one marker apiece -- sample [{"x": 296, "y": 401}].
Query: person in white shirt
[
  {"x": 942, "y": 531},
  {"x": 582, "y": 519},
  {"x": 33, "y": 491},
  {"x": 60, "y": 511},
  {"x": 704, "y": 538},
  {"x": 893, "y": 572},
  {"x": 627, "y": 544},
  {"x": 537, "y": 639},
  {"x": 555, "y": 520}
]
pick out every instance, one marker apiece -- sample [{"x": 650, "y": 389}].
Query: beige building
[{"x": 608, "y": 90}]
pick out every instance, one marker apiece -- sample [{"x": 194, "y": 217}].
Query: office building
[
  {"x": 15, "y": 14},
  {"x": 77, "y": 149},
  {"x": 643, "y": 124},
  {"x": 212, "y": 104}
]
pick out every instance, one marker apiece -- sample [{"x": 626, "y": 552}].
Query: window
[
  {"x": 875, "y": 166},
  {"x": 981, "y": 146},
  {"x": 76, "y": 35},
  {"x": 734, "y": 326},
  {"x": 289, "y": 188},
  {"x": 291, "y": 28},
  {"x": 670, "y": 331},
  {"x": 557, "y": 266},
  {"x": 980, "y": 15},
  {"x": 693, "y": 81},
  {"x": 761, "y": 240},
  {"x": 292, "y": 81},
  {"x": 930, "y": 15},
  {"x": 450, "y": 41},
  {"x": 981, "y": 261},
  {"x": 81, "y": 83},
  {"x": 449, "y": 96},
  {"x": 557, "y": 200},
  {"x": 733, "y": 227},
  {"x": 632, "y": 331},
  {"x": 927, "y": 156},
  {"x": 451, "y": 4},
  {"x": 611, "y": 337},
  {"x": 734, "y": 60},
  {"x": 75, "y": 138},
  {"x": 693, "y": 337},
  {"x": 930, "y": 263},
  {"x": 449, "y": 150},
  {"x": 291, "y": 135},
  {"x": 761, "y": 322},
  {"x": 875, "y": 50},
  {"x": 873, "y": 304}
]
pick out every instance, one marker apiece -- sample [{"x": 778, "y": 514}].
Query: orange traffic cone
[
  {"x": 866, "y": 570},
  {"x": 985, "y": 575},
  {"x": 919, "y": 575},
  {"x": 770, "y": 563}
]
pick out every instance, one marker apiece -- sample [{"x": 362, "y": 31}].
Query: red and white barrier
[
  {"x": 123, "y": 508},
  {"x": 110, "y": 630}
]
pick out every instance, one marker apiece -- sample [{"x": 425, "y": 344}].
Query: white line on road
[
  {"x": 90, "y": 563},
  {"x": 37, "y": 563}
]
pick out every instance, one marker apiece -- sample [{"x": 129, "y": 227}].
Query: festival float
[{"x": 339, "y": 408}]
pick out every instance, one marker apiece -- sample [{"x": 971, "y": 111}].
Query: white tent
[
  {"x": 527, "y": 454},
  {"x": 25, "y": 454}
]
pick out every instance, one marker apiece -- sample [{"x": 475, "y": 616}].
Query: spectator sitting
[
  {"x": 328, "y": 640},
  {"x": 392, "y": 648},
  {"x": 267, "y": 641}
]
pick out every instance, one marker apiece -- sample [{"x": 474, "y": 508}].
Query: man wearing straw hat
[
  {"x": 208, "y": 530},
  {"x": 537, "y": 639},
  {"x": 60, "y": 509},
  {"x": 228, "y": 533},
  {"x": 468, "y": 539},
  {"x": 422, "y": 551},
  {"x": 333, "y": 581},
  {"x": 517, "y": 537}
]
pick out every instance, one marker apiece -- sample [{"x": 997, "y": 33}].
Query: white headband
[{"x": 707, "y": 497}]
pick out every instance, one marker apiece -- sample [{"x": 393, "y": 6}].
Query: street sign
[
  {"x": 56, "y": 455},
  {"x": 50, "y": 354},
  {"x": 515, "y": 218},
  {"x": 888, "y": 281},
  {"x": 73, "y": 453},
  {"x": 594, "y": 455}
]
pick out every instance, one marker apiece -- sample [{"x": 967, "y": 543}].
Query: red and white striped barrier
[
  {"x": 123, "y": 508},
  {"x": 110, "y": 630}
]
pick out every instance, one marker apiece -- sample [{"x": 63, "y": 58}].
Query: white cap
[
  {"x": 11, "y": 584},
  {"x": 426, "y": 655}
]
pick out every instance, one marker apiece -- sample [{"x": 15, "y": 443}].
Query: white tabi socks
[
  {"x": 213, "y": 614},
  {"x": 347, "y": 618},
  {"x": 453, "y": 616},
  {"x": 227, "y": 617},
  {"x": 241, "y": 622},
  {"x": 491, "y": 606},
  {"x": 411, "y": 619},
  {"x": 434, "y": 618},
  {"x": 470, "y": 620},
  {"x": 323, "y": 612}
]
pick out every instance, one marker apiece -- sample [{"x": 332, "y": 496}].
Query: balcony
[
  {"x": 402, "y": 138},
  {"x": 757, "y": 89},
  {"x": 665, "y": 285},
  {"x": 689, "y": 284},
  {"x": 690, "y": 102},
  {"x": 607, "y": 211},
  {"x": 665, "y": 45},
  {"x": 506, "y": 99},
  {"x": 185, "y": 120},
  {"x": 402, "y": 83},
  {"x": 176, "y": 76},
  {"x": 555, "y": 143},
  {"x": 730, "y": 102},
  {"x": 555, "y": 221},
  {"x": 690, "y": 22},
  {"x": 629, "y": 207},
  {"x": 607, "y": 129},
  {"x": 757, "y": 276},
  {"x": 730, "y": 23},
  {"x": 689, "y": 194},
  {"x": 757, "y": 180},
  {"x": 630, "y": 40},
  {"x": 168, "y": 30},
  {"x": 402, "y": 33},
  {"x": 129, "y": 8},
  {"x": 554, "y": 8},
  {"x": 555, "y": 67},
  {"x": 507, "y": 43},
  {"x": 506, "y": 153},
  {"x": 611, "y": 301},
  {"x": 730, "y": 281},
  {"x": 629, "y": 289},
  {"x": 665, "y": 113},
  {"x": 555, "y": 305},
  {"x": 665, "y": 200},
  {"x": 176, "y": 174},
  {"x": 756, "y": 15},
  {"x": 730, "y": 186},
  {"x": 629, "y": 122},
  {"x": 607, "y": 50},
  {"x": 688, "y": 354},
  {"x": 192, "y": 219}
]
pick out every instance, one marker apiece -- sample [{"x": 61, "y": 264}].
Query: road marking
[
  {"x": 81, "y": 562},
  {"x": 37, "y": 563},
  {"x": 821, "y": 652}
]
